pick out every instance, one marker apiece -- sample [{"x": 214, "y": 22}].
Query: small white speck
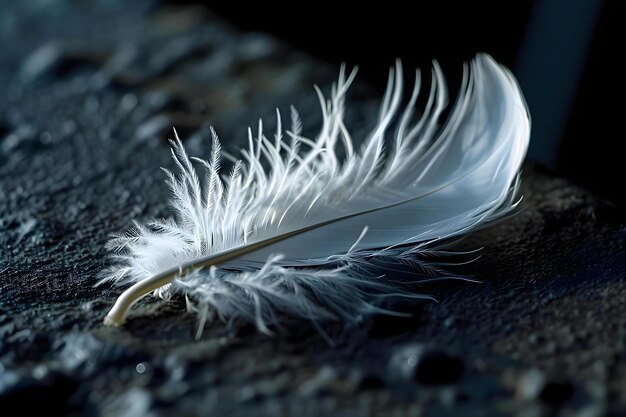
[
  {"x": 40, "y": 371},
  {"x": 140, "y": 368},
  {"x": 411, "y": 361}
]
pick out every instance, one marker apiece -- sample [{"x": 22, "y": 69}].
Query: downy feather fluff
[{"x": 336, "y": 209}]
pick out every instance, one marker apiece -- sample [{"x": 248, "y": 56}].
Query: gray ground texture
[{"x": 88, "y": 97}]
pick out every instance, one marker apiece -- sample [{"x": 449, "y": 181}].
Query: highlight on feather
[{"x": 308, "y": 236}]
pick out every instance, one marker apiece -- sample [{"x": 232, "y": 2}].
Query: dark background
[{"x": 563, "y": 52}]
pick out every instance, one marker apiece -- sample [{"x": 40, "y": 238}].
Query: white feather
[{"x": 298, "y": 239}]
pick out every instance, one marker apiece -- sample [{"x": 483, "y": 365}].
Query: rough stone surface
[{"x": 89, "y": 95}]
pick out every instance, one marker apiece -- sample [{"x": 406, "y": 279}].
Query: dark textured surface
[{"x": 89, "y": 96}]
